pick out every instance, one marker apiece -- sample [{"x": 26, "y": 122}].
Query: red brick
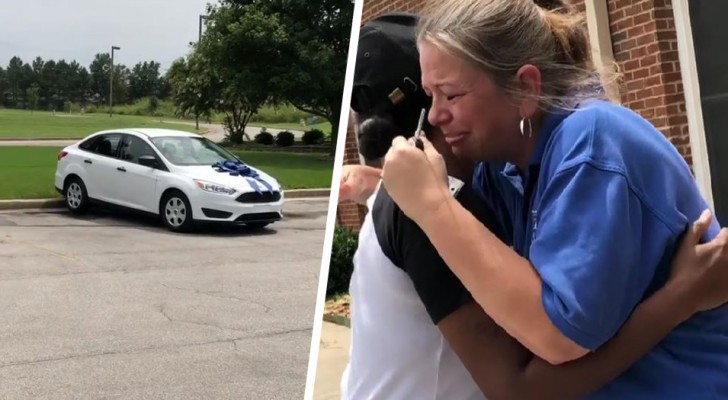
[
  {"x": 644, "y": 93},
  {"x": 663, "y": 111},
  {"x": 642, "y": 18},
  {"x": 648, "y": 60},
  {"x": 670, "y": 56},
  {"x": 659, "y": 122},
  {"x": 638, "y": 52},
  {"x": 663, "y": 13},
  {"x": 653, "y": 80},
  {"x": 654, "y": 102},
  {"x": 641, "y": 74},
  {"x": 672, "y": 76},
  {"x": 632, "y": 64},
  {"x": 633, "y": 10}
]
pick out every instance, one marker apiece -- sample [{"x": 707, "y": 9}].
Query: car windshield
[{"x": 183, "y": 150}]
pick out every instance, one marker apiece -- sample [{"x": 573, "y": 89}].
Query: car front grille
[
  {"x": 259, "y": 217},
  {"x": 211, "y": 213},
  {"x": 262, "y": 197}
]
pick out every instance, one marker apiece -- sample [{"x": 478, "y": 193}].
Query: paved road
[{"x": 118, "y": 308}]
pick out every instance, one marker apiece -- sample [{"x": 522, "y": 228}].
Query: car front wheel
[
  {"x": 176, "y": 212},
  {"x": 76, "y": 195}
]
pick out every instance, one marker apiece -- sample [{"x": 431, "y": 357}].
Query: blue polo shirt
[{"x": 600, "y": 213}]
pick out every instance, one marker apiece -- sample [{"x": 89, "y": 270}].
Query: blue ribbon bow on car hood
[{"x": 236, "y": 168}]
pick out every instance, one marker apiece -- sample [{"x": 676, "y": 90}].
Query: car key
[{"x": 418, "y": 132}]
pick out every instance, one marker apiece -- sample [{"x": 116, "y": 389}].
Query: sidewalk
[{"x": 332, "y": 358}]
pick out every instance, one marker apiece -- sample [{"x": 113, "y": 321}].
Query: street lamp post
[
  {"x": 199, "y": 31},
  {"x": 111, "y": 80}
]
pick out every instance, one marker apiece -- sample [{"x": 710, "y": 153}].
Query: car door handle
[
  {"x": 122, "y": 169},
  {"x": 88, "y": 161}
]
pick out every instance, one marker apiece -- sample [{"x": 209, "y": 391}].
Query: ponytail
[{"x": 568, "y": 29}]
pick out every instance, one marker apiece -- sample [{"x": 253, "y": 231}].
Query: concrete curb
[
  {"x": 300, "y": 193},
  {"x": 31, "y": 204},
  {"x": 25, "y": 204}
]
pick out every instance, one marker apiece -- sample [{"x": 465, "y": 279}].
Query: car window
[
  {"x": 185, "y": 150},
  {"x": 133, "y": 147},
  {"x": 106, "y": 145},
  {"x": 89, "y": 143}
]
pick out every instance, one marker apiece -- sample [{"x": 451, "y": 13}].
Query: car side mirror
[{"x": 148, "y": 161}]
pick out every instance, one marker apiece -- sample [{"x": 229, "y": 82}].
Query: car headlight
[{"x": 214, "y": 188}]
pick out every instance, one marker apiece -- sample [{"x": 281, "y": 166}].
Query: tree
[
  {"x": 14, "y": 76},
  {"x": 193, "y": 87},
  {"x": 121, "y": 84},
  {"x": 31, "y": 95},
  {"x": 78, "y": 83},
  {"x": 154, "y": 105},
  {"x": 144, "y": 80},
  {"x": 99, "y": 72},
  {"x": 320, "y": 32},
  {"x": 3, "y": 86},
  {"x": 241, "y": 49},
  {"x": 308, "y": 60},
  {"x": 165, "y": 88},
  {"x": 49, "y": 85}
]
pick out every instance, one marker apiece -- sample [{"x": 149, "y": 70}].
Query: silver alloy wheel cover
[
  {"x": 175, "y": 212},
  {"x": 74, "y": 195}
]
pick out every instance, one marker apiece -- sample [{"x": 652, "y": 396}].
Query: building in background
[{"x": 675, "y": 74}]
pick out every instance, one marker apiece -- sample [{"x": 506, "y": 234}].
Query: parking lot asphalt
[{"x": 110, "y": 306}]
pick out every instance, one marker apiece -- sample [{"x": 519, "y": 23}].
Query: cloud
[{"x": 158, "y": 30}]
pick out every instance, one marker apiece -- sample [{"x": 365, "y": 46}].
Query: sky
[{"x": 146, "y": 30}]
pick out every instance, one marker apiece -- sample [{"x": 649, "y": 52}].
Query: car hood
[{"x": 240, "y": 183}]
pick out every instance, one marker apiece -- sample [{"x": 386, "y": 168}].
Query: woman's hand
[
  {"x": 358, "y": 183},
  {"x": 415, "y": 179},
  {"x": 702, "y": 269}
]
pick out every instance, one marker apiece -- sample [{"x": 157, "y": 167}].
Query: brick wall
[
  {"x": 645, "y": 49},
  {"x": 350, "y": 214}
]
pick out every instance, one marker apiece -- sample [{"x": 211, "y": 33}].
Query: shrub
[
  {"x": 342, "y": 265},
  {"x": 264, "y": 138},
  {"x": 313, "y": 136},
  {"x": 285, "y": 139},
  {"x": 153, "y": 105}
]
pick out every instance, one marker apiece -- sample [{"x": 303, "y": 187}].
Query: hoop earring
[{"x": 530, "y": 127}]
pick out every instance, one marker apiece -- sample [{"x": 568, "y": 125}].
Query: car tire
[
  {"x": 76, "y": 195},
  {"x": 176, "y": 212},
  {"x": 257, "y": 225}
]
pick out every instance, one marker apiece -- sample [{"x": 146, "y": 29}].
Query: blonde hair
[{"x": 500, "y": 36}]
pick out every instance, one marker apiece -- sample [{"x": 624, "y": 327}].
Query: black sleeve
[{"x": 437, "y": 286}]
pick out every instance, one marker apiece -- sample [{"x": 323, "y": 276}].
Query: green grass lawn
[
  {"x": 293, "y": 171},
  {"x": 42, "y": 124},
  {"x": 28, "y": 172},
  {"x": 20, "y": 124}
]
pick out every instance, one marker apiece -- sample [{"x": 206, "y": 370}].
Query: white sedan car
[{"x": 180, "y": 176}]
